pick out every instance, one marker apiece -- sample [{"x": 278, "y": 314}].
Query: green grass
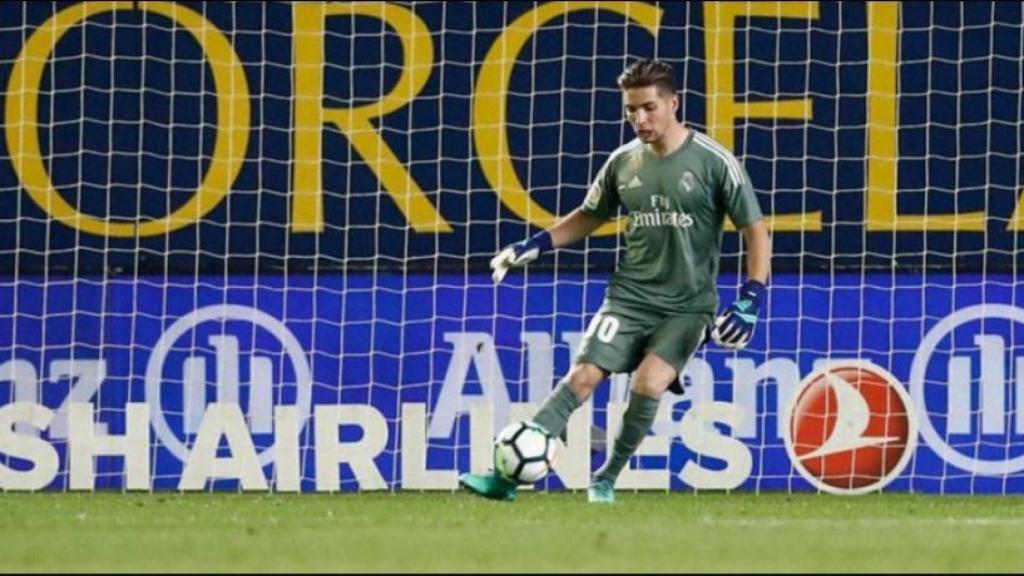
[{"x": 431, "y": 532}]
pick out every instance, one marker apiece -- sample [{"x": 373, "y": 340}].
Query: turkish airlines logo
[{"x": 852, "y": 428}]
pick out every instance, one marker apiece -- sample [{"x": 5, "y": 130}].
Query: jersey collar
[{"x": 686, "y": 142}]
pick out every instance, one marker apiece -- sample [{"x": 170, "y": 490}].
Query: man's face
[{"x": 650, "y": 113}]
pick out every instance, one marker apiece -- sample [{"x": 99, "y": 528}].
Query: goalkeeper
[{"x": 677, "y": 185}]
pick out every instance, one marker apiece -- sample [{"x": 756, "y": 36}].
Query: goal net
[{"x": 245, "y": 245}]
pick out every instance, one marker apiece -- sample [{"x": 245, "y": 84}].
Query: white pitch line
[{"x": 864, "y": 522}]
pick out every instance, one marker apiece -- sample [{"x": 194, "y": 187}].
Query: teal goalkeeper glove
[
  {"x": 735, "y": 328},
  {"x": 519, "y": 254}
]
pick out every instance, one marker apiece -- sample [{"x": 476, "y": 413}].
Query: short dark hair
[{"x": 644, "y": 73}]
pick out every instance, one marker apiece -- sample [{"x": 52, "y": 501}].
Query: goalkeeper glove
[
  {"x": 735, "y": 327},
  {"x": 519, "y": 254}
]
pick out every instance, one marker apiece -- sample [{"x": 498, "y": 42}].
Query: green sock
[
  {"x": 555, "y": 412},
  {"x": 636, "y": 422}
]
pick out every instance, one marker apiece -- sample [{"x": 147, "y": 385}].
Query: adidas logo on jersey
[{"x": 634, "y": 183}]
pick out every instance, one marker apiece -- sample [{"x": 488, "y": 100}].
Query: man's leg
[
  {"x": 571, "y": 392},
  {"x": 618, "y": 349},
  {"x": 668, "y": 349},
  {"x": 553, "y": 416},
  {"x": 651, "y": 380}
]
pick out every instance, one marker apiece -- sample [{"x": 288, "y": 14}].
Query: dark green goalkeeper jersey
[{"x": 677, "y": 206}]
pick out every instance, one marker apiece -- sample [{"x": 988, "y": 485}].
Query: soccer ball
[{"x": 524, "y": 453}]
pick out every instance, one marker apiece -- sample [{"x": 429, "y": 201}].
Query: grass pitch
[{"x": 541, "y": 532}]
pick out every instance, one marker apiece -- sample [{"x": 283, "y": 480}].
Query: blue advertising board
[{"x": 378, "y": 345}]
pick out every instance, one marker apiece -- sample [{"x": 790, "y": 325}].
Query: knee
[
  {"x": 649, "y": 387},
  {"x": 583, "y": 379},
  {"x": 653, "y": 377}
]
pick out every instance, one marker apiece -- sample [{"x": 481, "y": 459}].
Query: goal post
[{"x": 244, "y": 246}]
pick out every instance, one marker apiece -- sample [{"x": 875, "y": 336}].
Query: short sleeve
[
  {"x": 603, "y": 197},
  {"x": 738, "y": 195}
]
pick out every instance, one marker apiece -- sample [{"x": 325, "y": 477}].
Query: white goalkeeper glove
[{"x": 519, "y": 254}]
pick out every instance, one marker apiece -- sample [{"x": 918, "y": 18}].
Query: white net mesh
[{"x": 228, "y": 227}]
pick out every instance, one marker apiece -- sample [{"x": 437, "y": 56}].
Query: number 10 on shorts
[{"x": 605, "y": 326}]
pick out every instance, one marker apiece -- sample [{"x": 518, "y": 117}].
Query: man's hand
[
  {"x": 519, "y": 254},
  {"x": 735, "y": 327}
]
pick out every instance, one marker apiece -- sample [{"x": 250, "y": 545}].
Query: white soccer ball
[{"x": 524, "y": 453}]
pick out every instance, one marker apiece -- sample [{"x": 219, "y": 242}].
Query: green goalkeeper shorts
[{"x": 619, "y": 337}]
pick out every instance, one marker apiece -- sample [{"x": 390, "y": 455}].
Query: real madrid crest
[{"x": 686, "y": 182}]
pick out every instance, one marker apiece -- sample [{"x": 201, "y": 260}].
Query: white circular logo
[
  {"x": 917, "y": 389},
  {"x": 686, "y": 182},
  {"x": 221, "y": 314},
  {"x": 852, "y": 429}
]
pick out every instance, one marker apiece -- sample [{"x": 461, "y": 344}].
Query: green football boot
[
  {"x": 601, "y": 491},
  {"x": 489, "y": 485}
]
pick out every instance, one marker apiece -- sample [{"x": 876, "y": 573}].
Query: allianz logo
[
  {"x": 981, "y": 393},
  {"x": 227, "y": 385},
  {"x": 990, "y": 387},
  {"x": 968, "y": 361},
  {"x": 181, "y": 382}
]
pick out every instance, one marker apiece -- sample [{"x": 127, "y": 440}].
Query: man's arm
[
  {"x": 759, "y": 251},
  {"x": 735, "y": 327},
  {"x": 576, "y": 226}
]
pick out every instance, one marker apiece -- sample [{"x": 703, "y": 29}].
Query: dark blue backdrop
[{"x": 959, "y": 139}]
